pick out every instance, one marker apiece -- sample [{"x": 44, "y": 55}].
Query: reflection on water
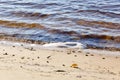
[{"x": 95, "y": 23}]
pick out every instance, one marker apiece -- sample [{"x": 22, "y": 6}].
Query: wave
[
  {"x": 59, "y": 44},
  {"x": 52, "y": 34},
  {"x": 110, "y": 14},
  {"x": 103, "y": 37},
  {"x": 20, "y": 24},
  {"x": 98, "y": 24},
  {"x": 29, "y": 14},
  {"x": 24, "y": 4},
  {"x": 13, "y": 38},
  {"x": 78, "y": 35},
  {"x": 86, "y": 36},
  {"x": 110, "y": 6}
]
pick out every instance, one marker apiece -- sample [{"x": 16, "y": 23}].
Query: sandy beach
[
  {"x": 59, "y": 39},
  {"x": 31, "y": 63}
]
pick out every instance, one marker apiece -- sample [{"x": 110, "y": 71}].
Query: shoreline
[
  {"x": 34, "y": 63},
  {"x": 28, "y": 41},
  {"x": 52, "y": 47}
]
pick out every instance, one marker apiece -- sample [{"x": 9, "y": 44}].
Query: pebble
[
  {"x": 22, "y": 57},
  {"x": 60, "y": 71},
  {"x": 5, "y": 54}
]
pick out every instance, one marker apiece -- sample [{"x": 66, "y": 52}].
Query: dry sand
[{"x": 22, "y": 63}]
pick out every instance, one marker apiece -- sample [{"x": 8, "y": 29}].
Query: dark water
[{"x": 95, "y": 23}]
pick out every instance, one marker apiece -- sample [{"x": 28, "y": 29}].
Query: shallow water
[{"x": 94, "y": 23}]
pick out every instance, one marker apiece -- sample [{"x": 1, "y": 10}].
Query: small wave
[
  {"x": 44, "y": 5},
  {"x": 110, "y": 14},
  {"x": 29, "y": 14},
  {"x": 24, "y": 4},
  {"x": 12, "y": 38},
  {"x": 63, "y": 32},
  {"x": 57, "y": 31},
  {"x": 85, "y": 36},
  {"x": 20, "y": 24},
  {"x": 102, "y": 37},
  {"x": 51, "y": 4},
  {"x": 110, "y": 6},
  {"x": 99, "y": 24}
]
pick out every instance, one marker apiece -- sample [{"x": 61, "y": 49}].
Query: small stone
[
  {"x": 79, "y": 76},
  {"x": 60, "y": 71},
  {"x": 48, "y": 57},
  {"x": 13, "y": 55},
  {"x": 63, "y": 65},
  {"x": 38, "y": 57},
  {"x": 5, "y": 54},
  {"x": 22, "y": 57},
  {"x": 75, "y": 55},
  {"x": 73, "y": 51},
  {"x": 68, "y": 53},
  {"x": 47, "y": 61},
  {"x": 13, "y": 46},
  {"x": 103, "y": 58},
  {"x": 74, "y": 65}
]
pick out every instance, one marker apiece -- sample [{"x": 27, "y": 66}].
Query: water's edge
[{"x": 95, "y": 24}]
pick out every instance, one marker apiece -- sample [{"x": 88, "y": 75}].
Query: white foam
[
  {"x": 61, "y": 45},
  {"x": 64, "y": 45}
]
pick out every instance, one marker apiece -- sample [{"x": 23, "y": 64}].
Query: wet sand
[{"x": 30, "y": 63}]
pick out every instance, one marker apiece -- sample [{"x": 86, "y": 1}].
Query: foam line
[{"x": 64, "y": 45}]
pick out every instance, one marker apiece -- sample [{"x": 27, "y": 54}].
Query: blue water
[{"x": 95, "y": 23}]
